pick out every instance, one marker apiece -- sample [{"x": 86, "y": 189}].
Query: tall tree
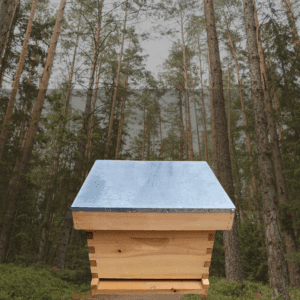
[
  {"x": 17, "y": 180},
  {"x": 182, "y": 139},
  {"x": 7, "y": 12},
  {"x": 144, "y": 131},
  {"x": 180, "y": 87},
  {"x": 292, "y": 25},
  {"x": 15, "y": 86},
  {"x": 88, "y": 148},
  {"x": 7, "y": 44},
  {"x": 247, "y": 134},
  {"x": 111, "y": 120},
  {"x": 191, "y": 76},
  {"x": 212, "y": 117},
  {"x": 229, "y": 122},
  {"x": 233, "y": 261},
  {"x": 160, "y": 130},
  {"x": 55, "y": 158},
  {"x": 276, "y": 103},
  {"x": 124, "y": 97},
  {"x": 276, "y": 264},
  {"x": 22, "y": 127},
  {"x": 282, "y": 191},
  {"x": 239, "y": 194},
  {"x": 186, "y": 90},
  {"x": 203, "y": 109},
  {"x": 65, "y": 230}
]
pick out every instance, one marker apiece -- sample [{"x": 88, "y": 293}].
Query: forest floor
[
  {"x": 137, "y": 297},
  {"x": 37, "y": 283}
]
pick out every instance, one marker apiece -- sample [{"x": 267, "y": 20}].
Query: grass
[{"x": 43, "y": 283}]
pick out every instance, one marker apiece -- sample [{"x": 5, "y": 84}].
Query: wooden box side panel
[
  {"x": 152, "y": 221},
  {"x": 150, "y": 287},
  {"x": 150, "y": 254}
]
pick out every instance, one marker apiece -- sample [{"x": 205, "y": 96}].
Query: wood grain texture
[
  {"x": 150, "y": 287},
  {"x": 151, "y": 254},
  {"x": 205, "y": 283},
  {"x": 152, "y": 221}
]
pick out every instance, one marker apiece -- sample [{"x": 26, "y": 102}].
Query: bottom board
[{"x": 117, "y": 286}]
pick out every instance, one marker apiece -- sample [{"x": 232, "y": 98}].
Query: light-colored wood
[
  {"x": 149, "y": 287},
  {"x": 151, "y": 254},
  {"x": 205, "y": 283},
  {"x": 152, "y": 221},
  {"x": 94, "y": 283}
]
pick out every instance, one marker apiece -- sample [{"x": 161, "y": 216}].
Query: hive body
[{"x": 144, "y": 246}]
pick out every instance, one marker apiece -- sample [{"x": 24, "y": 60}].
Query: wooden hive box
[{"x": 151, "y": 225}]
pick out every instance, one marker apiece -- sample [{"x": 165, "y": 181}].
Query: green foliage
[
  {"x": 42, "y": 282},
  {"x": 217, "y": 265},
  {"x": 254, "y": 257},
  {"x": 19, "y": 282},
  {"x": 220, "y": 289}
]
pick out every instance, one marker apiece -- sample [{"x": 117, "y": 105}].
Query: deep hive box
[{"x": 151, "y": 225}]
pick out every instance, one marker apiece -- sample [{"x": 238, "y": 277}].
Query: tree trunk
[
  {"x": 276, "y": 263},
  {"x": 238, "y": 181},
  {"x": 153, "y": 143},
  {"x": 8, "y": 40},
  {"x": 88, "y": 148},
  {"x": 186, "y": 133},
  {"x": 17, "y": 180},
  {"x": 2, "y": 71},
  {"x": 233, "y": 261},
  {"x": 186, "y": 90},
  {"x": 297, "y": 132},
  {"x": 111, "y": 121},
  {"x": 248, "y": 200},
  {"x": 203, "y": 110},
  {"x": 55, "y": 156},
  {"x": 276, "y": 105},
  {"x": 12, "y": 234},
  {"x": 280, "y": 131},
  {"x": 93, "y": 114},
  {"x": 11, "y": 102},
  {"x": 143, "y": 148},
  {"x": 22, "y": 130},
  {"x": 212, "y": 118},
  {"x": 229, "y": 123},
  {"x": 161, "y": 140},
  {"x": 7, "y": 9},
  {"x": 122, "y": 115},
  {"x": 183, "y": 131},
  {"x": 182, "y": 141},
  {"x": 292, "y": 25},
  {"x": 65, "y": 230},
  {"x": 282, "y": 192},
  {"x": 147, "y": 132},
  {"x": 195, "y": 110},
  {"x": 248, "y": 142}
]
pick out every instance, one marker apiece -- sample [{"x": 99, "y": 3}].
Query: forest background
[{"x": 76, "y": 87}]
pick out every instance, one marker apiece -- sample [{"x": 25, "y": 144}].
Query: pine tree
[
  {"x": 278, "y": 280},
  {"x": 16, "y": 182},
  {"x": 15, "y": 86},
  {"x": 233, "y": 262},
  {"x": 65, "y": 230},
  {"x": 248, "y": 141},
  {"x": 7, "y": 12},
  {"x": 115, "y": 88}
]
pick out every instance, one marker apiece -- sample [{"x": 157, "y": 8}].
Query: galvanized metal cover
[{"x": 152, "y": 186}]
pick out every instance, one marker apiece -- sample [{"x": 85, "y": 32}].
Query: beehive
[{"x": 151, "y": 225}]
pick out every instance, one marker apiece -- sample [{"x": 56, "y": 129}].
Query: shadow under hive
[{"x": 150, "y": 225}]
